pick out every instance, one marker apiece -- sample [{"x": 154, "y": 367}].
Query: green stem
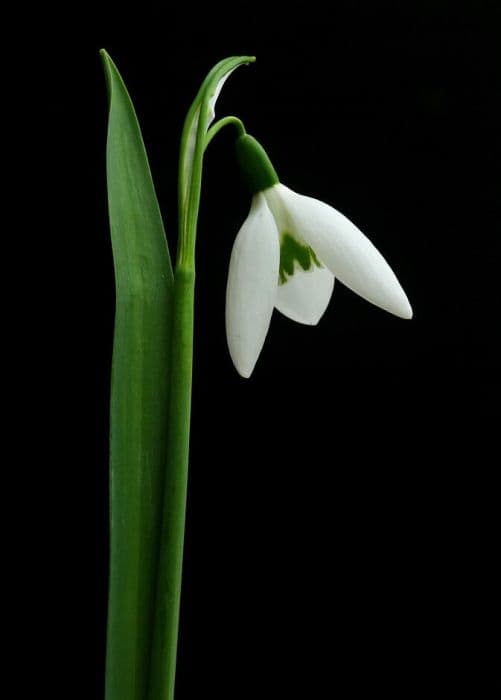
[
  {"x": 216, "y": 128},
  {"x": 170, "y": 563},
  {"x": 170, "y": 556}
]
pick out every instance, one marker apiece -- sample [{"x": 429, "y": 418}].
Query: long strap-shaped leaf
[{"x": 139, "y": 395}]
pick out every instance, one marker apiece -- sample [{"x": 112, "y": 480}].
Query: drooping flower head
[{"x": 286, "y": 256}]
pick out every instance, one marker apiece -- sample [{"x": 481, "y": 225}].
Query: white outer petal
[
  {"x": 341, "y": 246},
  {"x": 252, "y": 286},
  {"x": 305, "y": 295}
]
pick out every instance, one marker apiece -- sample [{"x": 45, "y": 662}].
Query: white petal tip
[
  {"x": 298, "y": 319},
  {"x": 243, "y": 356},
  {"x": 243, "y": 361},
  {"x": 245, "y": 375},
  {"x": 404, "y": 310},
  {"x": 395, "y": 302}
]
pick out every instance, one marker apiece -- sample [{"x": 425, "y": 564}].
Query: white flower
[{"x": 286, "y": 256}]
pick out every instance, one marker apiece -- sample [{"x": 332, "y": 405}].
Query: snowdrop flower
[{"x": 286, "y": 256}]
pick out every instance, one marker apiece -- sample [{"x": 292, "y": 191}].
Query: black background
[{"x": 343, "y": 517}]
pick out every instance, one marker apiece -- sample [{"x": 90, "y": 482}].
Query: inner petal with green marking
[{"x": 294, "y": 253}]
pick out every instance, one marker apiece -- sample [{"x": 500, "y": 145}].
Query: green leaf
[{"x": 139, "y": 395}]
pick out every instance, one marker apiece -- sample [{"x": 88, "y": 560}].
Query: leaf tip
[{"x": 107, "y": 65}]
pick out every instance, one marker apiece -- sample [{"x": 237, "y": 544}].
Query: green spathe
[
  {"x": 193, "y": 144},
  {"x": 256, "y": 167}
]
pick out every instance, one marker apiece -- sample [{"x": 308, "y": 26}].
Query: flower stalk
[
  {"x": 225, "y": 121},
  {"x": 170, "y": 556}
]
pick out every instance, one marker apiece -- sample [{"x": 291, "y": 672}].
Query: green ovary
[{"x": 293, "y": 251}]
